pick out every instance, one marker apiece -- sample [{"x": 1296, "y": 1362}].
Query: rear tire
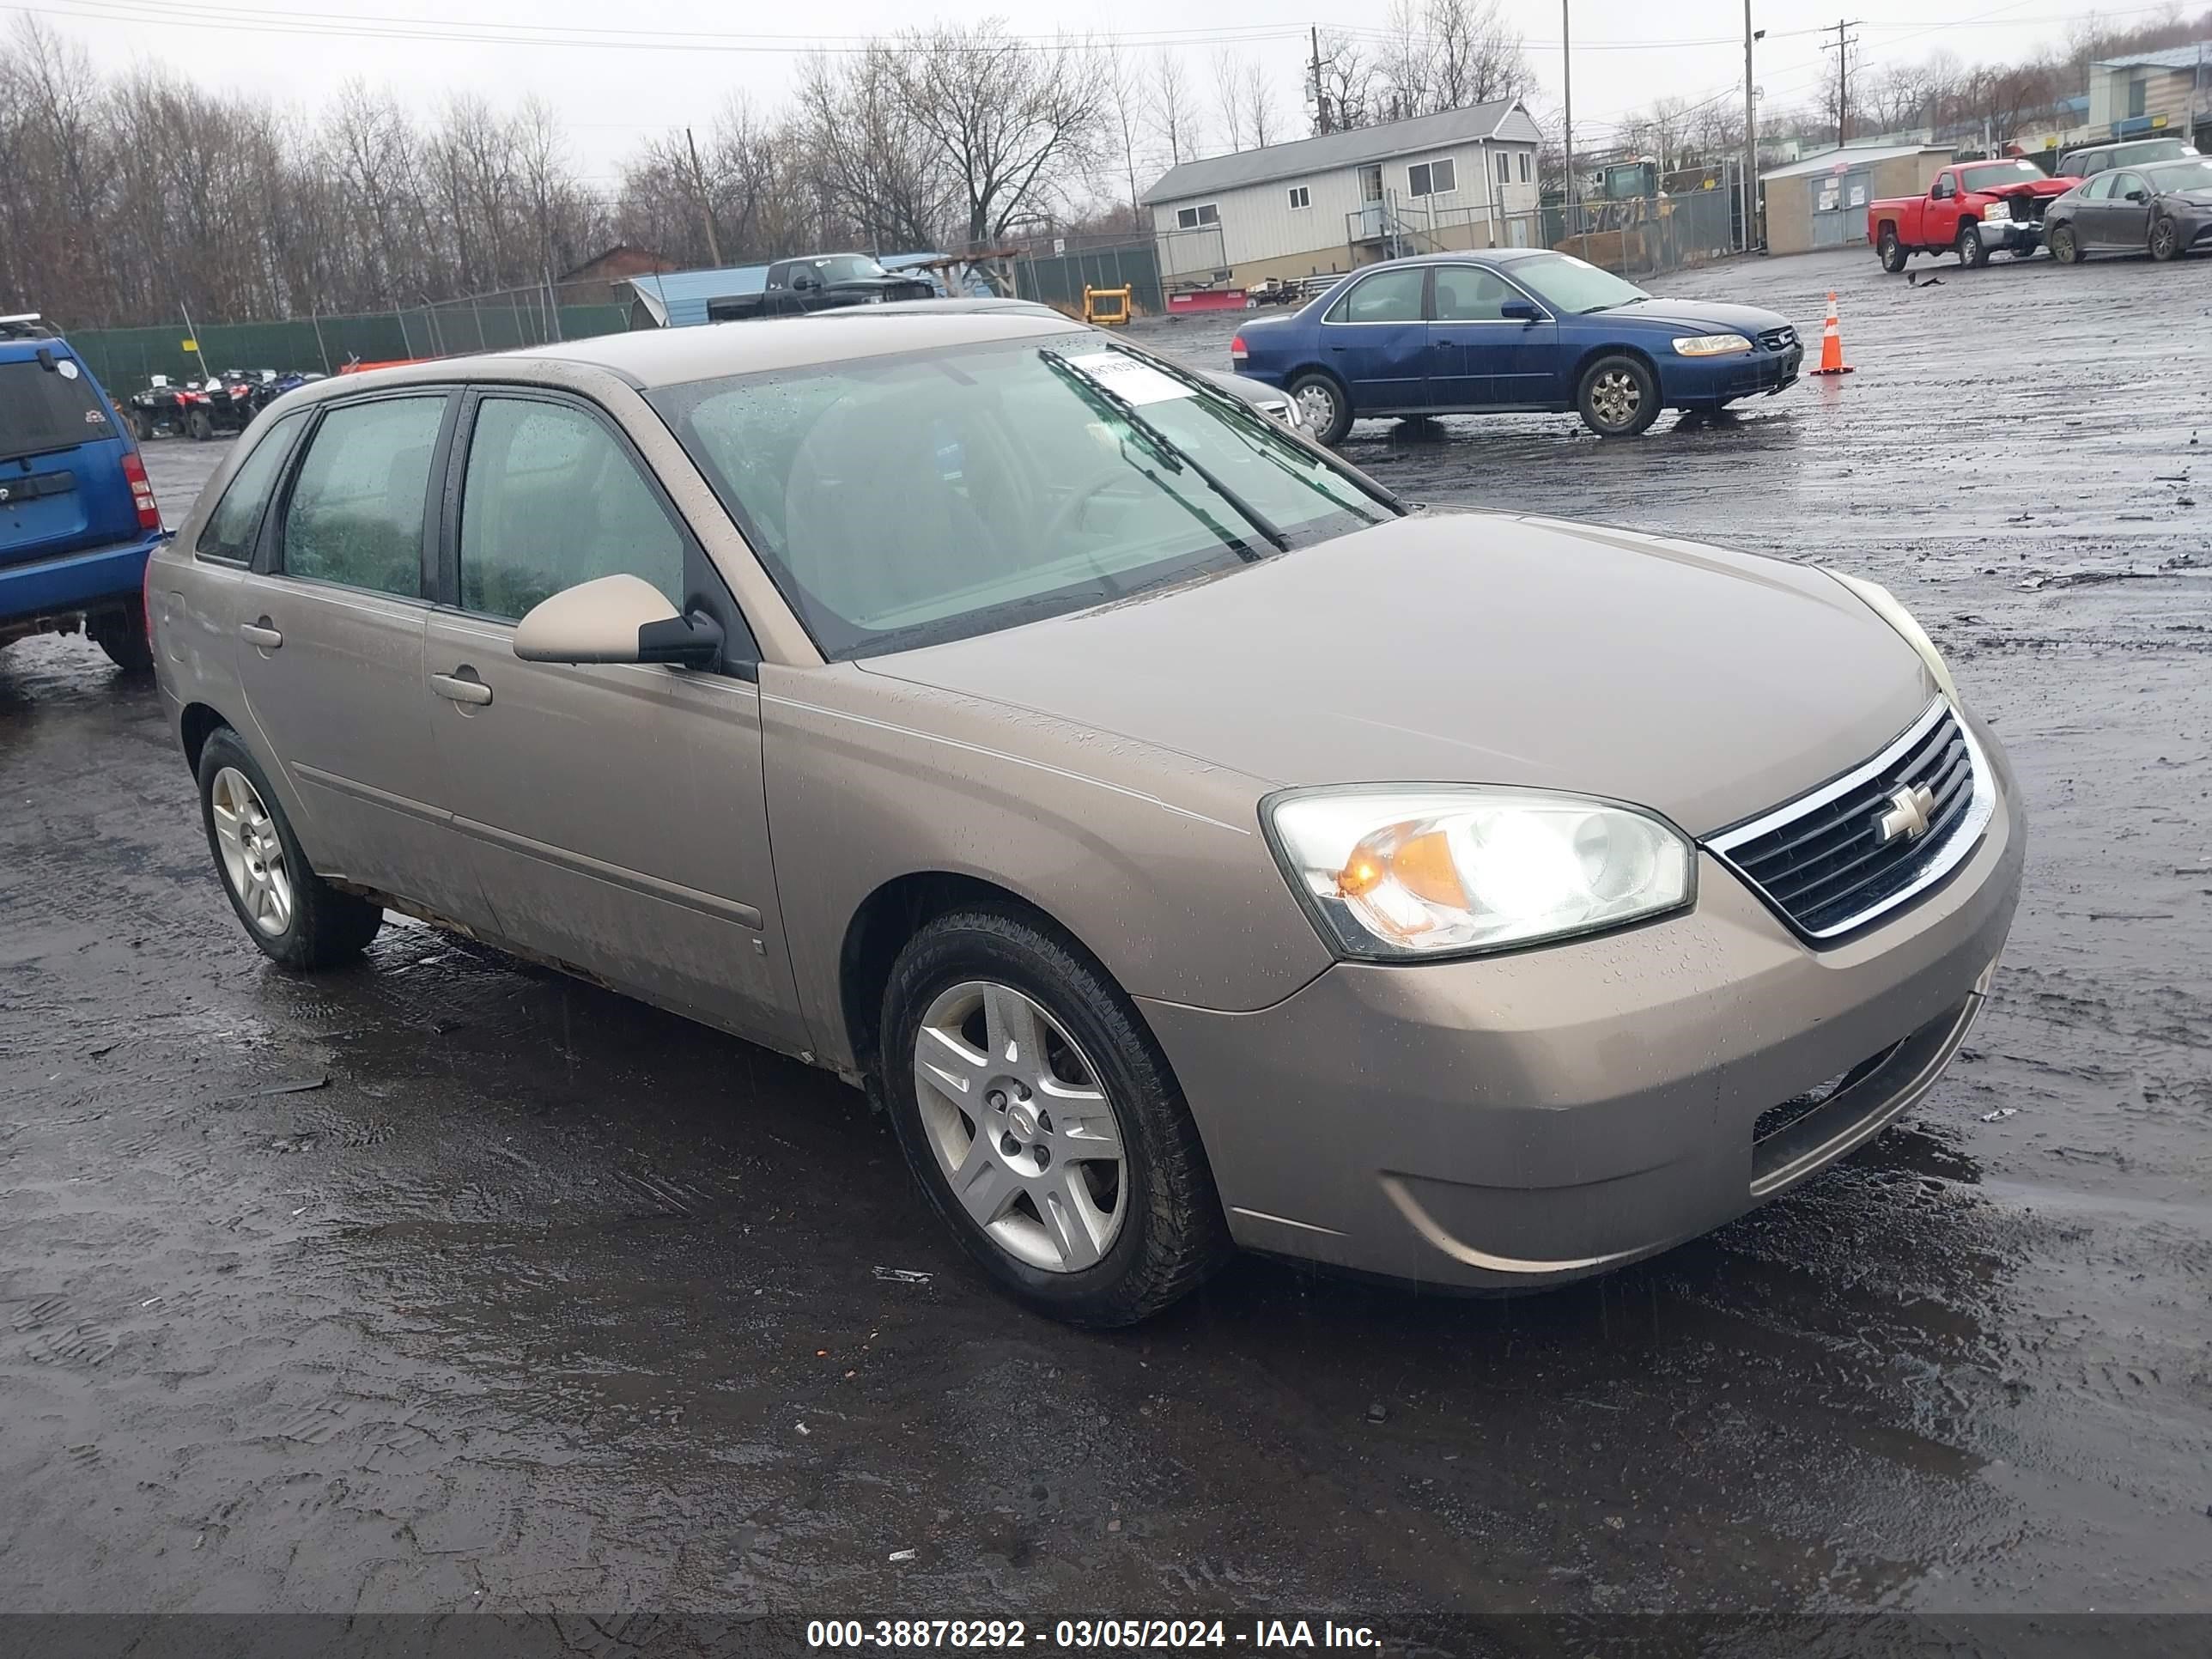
[
  {"x": 1618, "y": 397},
  {"x": 1325, "y": 405},
  {"x": 298, "y": 919},
  {"x": 2066, "y": 246},
  {"x": 1147, "y": 1228},
  {"x": 1973, "y": 251},
  {"x": 1893, "y": 255},
  {"x": 122, "y": 634}
]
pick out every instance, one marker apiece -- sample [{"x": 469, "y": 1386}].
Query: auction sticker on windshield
[{"x": 1128, "y": 377}]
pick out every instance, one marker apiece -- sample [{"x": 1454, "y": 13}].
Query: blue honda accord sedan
[{"x": 1512, "y": 328}]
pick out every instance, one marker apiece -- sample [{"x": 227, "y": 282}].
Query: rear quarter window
[
  {"x": 45, "y": 409},
  {"x": 231, "y": 529}
]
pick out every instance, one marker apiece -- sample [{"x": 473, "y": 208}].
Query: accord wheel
[
  {"x": 2066, "y": 244},
  {"x": 1322, "y": 406},
  {"x": 2164, "y": 238},
  {"x": 298, "y": 919},
  {"x": 1041, "y": 1119},
  {"x": 1619, "y": 397}
]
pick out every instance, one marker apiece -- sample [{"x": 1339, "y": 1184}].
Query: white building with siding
[{"x": 1463, "y": 179}]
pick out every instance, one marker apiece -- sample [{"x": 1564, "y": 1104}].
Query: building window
[
  {"x": 1193, "y": 218},
  {"x": 2137, "y": 89},
  {"x": 1504, "y": 167},
  {"x": 1301, "y": 197},
  {"x": 1524, "y": 167},
  {"x": 1432, "y": 178}
]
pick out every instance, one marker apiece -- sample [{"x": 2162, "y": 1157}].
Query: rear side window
[
  {"x": 1389, "y": 296},
  {"x": 45, "y": 409},
  {"x": 551, "y": 500},
  {"x": 236, "y": 520},
  {"x": 356, "y": 512}
]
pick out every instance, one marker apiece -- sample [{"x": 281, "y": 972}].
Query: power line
[{"x": 1841, "y": 47}]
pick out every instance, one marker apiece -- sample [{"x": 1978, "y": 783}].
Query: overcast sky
[{"x": 619, "y": 73}]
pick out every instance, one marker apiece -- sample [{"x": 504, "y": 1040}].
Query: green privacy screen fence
[{"x": 126, "y": 359}]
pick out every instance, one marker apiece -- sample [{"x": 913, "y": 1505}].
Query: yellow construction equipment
[{"x": 1108, "y": 307}]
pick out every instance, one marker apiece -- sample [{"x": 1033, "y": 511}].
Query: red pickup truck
[{"x": 1972, "y": 210}]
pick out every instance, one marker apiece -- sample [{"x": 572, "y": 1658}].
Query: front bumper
[
  {"x": 60, "y": 588},
  {"x": 1705, "y": 382},
  {"x": 1510, "y": 1121},
  {"x": 2015, "y": 234}
]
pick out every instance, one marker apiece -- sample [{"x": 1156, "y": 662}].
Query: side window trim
[
  {"x": 267, "y": 555},
  {"x": 703, "y": 584}
]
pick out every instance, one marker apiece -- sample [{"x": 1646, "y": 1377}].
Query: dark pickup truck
[{"x": 821, "y": 282}]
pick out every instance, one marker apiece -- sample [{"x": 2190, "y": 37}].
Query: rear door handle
[
  {"x": 461, "y": 686},
  {"x": 261, "y": 633}
]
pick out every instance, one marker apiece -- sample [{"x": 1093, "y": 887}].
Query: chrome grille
[
  {"x": 1778, "y": 339},
  {"x": 1852, "y": 850}
]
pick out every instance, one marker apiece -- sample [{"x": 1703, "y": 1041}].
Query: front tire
[
  {"x": 1893, "y": 255},
  {"x": 2164, "y": 240},
  {"x": 298, "y": 919},
  {"x": 2066, "y": 244},
  {"x": 1044, "y": 1123},
  {"x": 1324, "y": 405},
  {"x": 201, "y": 426},
  {"x": 1973, "y": 251},
  {"x": 1618, "y": 396}
]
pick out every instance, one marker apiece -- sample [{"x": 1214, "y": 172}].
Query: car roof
[{"x": 655, "y": 357}]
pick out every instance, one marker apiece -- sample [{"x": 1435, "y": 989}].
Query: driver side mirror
[
  {"x": 1520, "y": 311},
  {"x": 2138, "y": 196},
  {"x": 622, "y": 619}
]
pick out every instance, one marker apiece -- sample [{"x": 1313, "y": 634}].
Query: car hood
[
  {"x": 2033, "y": 187},
  {"x": 1478, "y": 648},
  {"x": 1713, "y": 316},
  {"x": 2196, "y": 198}
]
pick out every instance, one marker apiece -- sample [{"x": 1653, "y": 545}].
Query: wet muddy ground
[{"x": 444, "y": 1283}]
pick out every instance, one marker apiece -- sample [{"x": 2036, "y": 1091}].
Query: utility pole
[
  {"x": 1567, "y": 77},
  {"x": 1841, "y": 46},
  {"x": 1320, "y": 98},
  {"x": 706, "y": 212},
  {"x": 1750, "y": 136}
]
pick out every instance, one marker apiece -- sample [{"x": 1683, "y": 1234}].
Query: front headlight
[
  {"x": 1884, "y": 604},
  {"x": 1390, "y": 873},
  {"x": 1711, "y": 345}
]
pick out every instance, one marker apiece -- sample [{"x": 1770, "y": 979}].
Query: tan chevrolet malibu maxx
[{"x": 1190, "y": 846}]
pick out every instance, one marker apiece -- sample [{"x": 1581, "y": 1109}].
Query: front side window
[
  {"x": 2126, "y": 186},
  {"x": 1944, "y": 189},
  {"x": 1469, "y": 293},
  {"x": 231, "y": 528},
  {"x": 357, "y": 507},
  {"x": 551, "y": 500},
  {"x": 1191, "y": 218},
  {"x": 900, "y": 502},
  {"x": 1389, "y": 296},
  {"x": 1569, "y": 284},
  {"x": 1432, "y": 178}
]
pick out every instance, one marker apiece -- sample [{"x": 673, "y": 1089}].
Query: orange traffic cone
[{"x": 1832, "y": 344}]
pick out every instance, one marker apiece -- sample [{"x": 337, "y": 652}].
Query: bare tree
[
  {"x": 1013, "y": 123},
  {"x": 1173, "y": 108},
  {"x": 1260, "y": 105},
  {"x": 1340, "y": 85},
  {"x": 1125, "y": 109},
  {"x": 1229, "y": 97}
]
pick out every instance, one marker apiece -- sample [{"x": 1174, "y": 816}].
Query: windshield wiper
[{"x": 1171, "y": 455}]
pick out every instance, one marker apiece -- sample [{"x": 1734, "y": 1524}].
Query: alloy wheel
[
  {"x": 253, "y": 852},
  {"x": 2163, "y": 235},
  {"x": 1317, "y": 407},
  {"x": 1615, "y": 396},
  {"x": 1020, "y": 1126}
]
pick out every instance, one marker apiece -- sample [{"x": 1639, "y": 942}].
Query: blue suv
[{"x": 77, "y": 516}]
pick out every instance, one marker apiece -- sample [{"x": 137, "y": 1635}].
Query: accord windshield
[
  {"x": 902, "y": 500},
  {"x": 1570, "y": 284},
  {"x": 1998, "y": 174}
]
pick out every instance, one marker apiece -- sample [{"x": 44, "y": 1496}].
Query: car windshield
[
  {"x": 848, "y": 267},
  {"x": 1572, "y": 284},
  {"x": 903, "y": 501},
  {"x": 1997, "y": 174},
  {"x": 2193, "y": 175}
]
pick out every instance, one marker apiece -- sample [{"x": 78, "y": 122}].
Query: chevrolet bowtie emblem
[{"x": 1908, "y": 813}]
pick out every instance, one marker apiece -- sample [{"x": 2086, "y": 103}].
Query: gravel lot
[{"x": 444, "y": 1283}]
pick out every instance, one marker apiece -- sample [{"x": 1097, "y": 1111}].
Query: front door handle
[
  {"x": 462, "y": 686},
  {"x": 261, "y": 633}
]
